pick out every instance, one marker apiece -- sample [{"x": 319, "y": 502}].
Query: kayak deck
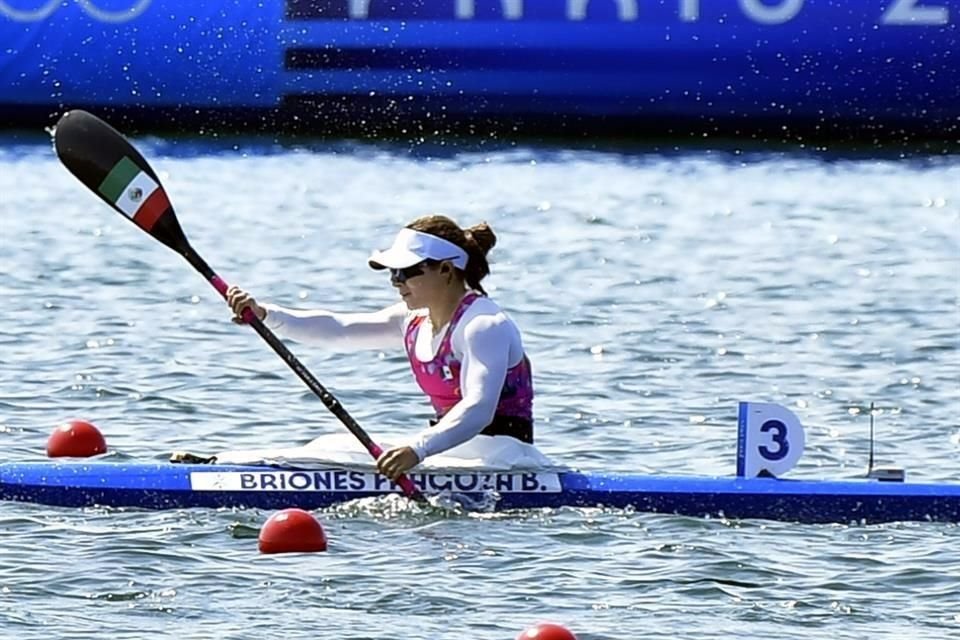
[{"x": 176, "y": 486}]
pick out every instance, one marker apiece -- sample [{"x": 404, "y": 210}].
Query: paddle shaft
[
  {"x": 103, "y": 160},
  {"x": 328, "y": 399}
]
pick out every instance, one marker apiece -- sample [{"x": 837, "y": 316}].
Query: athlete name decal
[{"x": 345, "y": 481}]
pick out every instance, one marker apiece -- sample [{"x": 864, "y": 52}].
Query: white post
[
  {"x": 359, "y": 9},
  {"x": 689, "y": 10},
  {"x": 512, "y": 9},
  {"x": 626, "y": 9}
]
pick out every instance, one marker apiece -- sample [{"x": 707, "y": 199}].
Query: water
[{"x": 654, "y": 288}]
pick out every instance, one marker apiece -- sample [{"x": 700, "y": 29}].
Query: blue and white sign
[{"x": 769, "y": 440}]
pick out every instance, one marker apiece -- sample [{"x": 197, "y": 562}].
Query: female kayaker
[{"x": 465, "y": 352}]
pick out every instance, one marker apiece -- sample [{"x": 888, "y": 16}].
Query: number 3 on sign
[{"x": 769, "y": 440}]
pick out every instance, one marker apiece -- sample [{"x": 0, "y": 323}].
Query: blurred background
[{"x": 877, "y": 70}]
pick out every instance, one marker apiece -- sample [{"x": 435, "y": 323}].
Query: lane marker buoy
[
  {"x": 76, "y": 439},
  {"x": 292, "y": 531},
  {"x": 547, "y": 631}
]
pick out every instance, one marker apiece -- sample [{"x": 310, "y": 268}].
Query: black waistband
[{"x": 519, "y": 428}]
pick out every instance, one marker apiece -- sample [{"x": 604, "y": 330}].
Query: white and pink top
[{"x": 474, "y": 370}]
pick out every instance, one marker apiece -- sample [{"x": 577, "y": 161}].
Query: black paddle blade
[{"x": 102, "y": 159}]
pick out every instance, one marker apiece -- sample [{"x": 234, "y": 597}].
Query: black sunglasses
[{"x": 399, "y": 276}]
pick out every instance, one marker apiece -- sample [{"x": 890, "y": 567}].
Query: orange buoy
[
  {"x": 547, "y": 631},
  {"x": 292, "y": 531},
  {"x": 76, "y": 439}
]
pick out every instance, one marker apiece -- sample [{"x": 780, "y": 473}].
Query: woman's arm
[{"x": 375, "y": 330}]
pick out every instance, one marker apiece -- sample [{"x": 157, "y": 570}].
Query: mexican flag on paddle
[{"x": 135, "y": 193}]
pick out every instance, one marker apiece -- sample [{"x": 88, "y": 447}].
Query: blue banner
[{"x": 872, "y": 61}]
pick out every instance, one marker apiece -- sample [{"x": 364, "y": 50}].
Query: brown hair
[{"x": 476, "y": 241}]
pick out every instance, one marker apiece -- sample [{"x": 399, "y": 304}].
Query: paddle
[{"x": 102, "y": 159}]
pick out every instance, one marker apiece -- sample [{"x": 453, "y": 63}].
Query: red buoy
[
  {"x": 547, "y": 631},
  {"x": 76, "y": 439},
  {"x": 292, "y": 531}
]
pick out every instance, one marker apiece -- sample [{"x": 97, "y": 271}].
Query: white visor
[{"x": 412, "y": 247}]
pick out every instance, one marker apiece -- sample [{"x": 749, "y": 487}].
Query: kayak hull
[{"x": 181, "y": 486}]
